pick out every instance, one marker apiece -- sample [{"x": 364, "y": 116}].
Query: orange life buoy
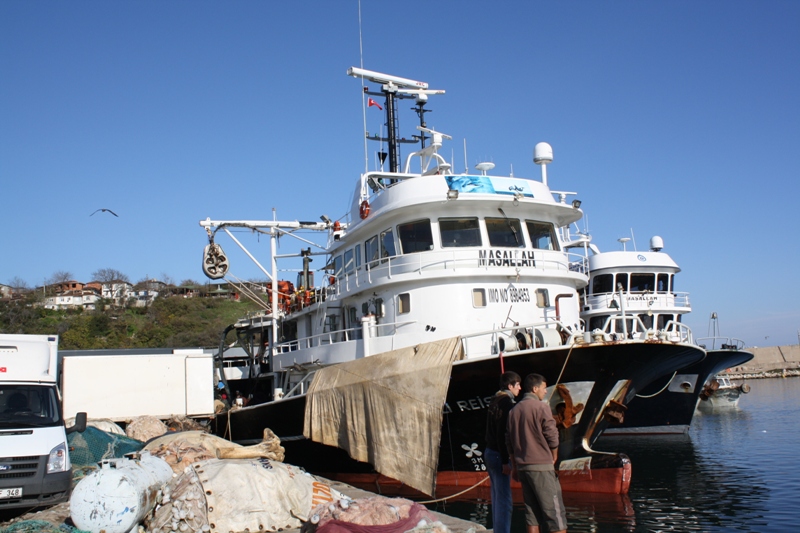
[
  {"x": 337, "y": 226},
  {"x": 364, "y": 210}
]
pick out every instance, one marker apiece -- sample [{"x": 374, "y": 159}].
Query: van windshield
[{"x": 28, "y": 406}]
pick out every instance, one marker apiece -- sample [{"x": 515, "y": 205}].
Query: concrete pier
[{"x": 770, "y": 361}]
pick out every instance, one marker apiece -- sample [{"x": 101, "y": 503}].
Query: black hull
[
  {"x": 671, "y": 411},
  {"x": 472, "y": 384}
]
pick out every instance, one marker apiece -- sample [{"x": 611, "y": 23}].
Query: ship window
[
  {"x": 647, "y": 320},
  {"x": 622, "y": 279},
  {"x": 662, "y": 283},
  {"x": 337, "y": 266},
  {"x": 672, "y": 283},
  {"x": 603, "y": 284},
  {"x": 459, "y": 232},
  {"x": 597, "y": 322},
  {"x": 403, "y": 303},
  {"x": 387, "y": 245},
  {"x": 415, "y": 236},
  {"x": 349, "y": 263},
  {"x": 371, "y": 251},
  {"x": 663, "y": 319},
  {"x": 357, "y": 254},
  {"x": 505, "y": 232},
  {"x": 643, "y": 282},
  {"x": 542, "y": 298},
  {"x": 542, "y": 234},
  {"x": 479, "y": 297}
]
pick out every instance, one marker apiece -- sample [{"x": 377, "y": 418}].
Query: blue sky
[{"x": 679, "y": 119}]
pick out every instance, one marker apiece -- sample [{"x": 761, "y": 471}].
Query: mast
[{"x": 392, "y": 88}]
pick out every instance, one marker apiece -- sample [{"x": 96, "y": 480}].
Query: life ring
[{"x": 364, "y": 210}]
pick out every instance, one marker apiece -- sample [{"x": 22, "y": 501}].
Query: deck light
[
  {"x": 576, "y": 204},
  {"x": 452, "y": 194}
]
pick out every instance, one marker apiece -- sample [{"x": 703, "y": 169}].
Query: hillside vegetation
[{"x": 170, "y": 322}]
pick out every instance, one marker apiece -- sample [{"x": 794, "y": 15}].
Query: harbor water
[{"x": 736, "y": 470}]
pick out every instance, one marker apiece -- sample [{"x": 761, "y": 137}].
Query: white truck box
[{"x": 122, "y": 384}]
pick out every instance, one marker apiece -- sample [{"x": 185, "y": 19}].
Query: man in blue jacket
[{"x": 532, "y": 439}]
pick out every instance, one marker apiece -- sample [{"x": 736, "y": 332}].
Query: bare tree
[
  {"x": 109, "y": 274},
  {"x": 18, "y": 285},
  {"x": 61, "y": 276},
  {"x": 168, "y": 280}
]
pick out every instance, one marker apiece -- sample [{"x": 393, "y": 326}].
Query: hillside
[{"x": 166, "y": 323}]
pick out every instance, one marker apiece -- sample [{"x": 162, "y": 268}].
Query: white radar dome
[
  {"x": 542, "y": 153},
  {"x": 656, "y": 243}
]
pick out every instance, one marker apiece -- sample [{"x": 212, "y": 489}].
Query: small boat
[
  {"x": 430, "y": 286},
  {"x": 721, "y": 393},
  {"x": 642, "y": 285}
]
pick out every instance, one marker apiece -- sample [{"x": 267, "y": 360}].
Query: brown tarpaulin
[{"x": 386, "y": 409}]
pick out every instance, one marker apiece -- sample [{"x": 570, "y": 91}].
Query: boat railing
[
  {"x": 720, "y": 343},
  {"x": 620, "y": 326},
  {"x": 517, "y": 338},
  {"x": 638, "y": 300},
  {"x": 341, "y": 335},
  {"x": 438, "y": 261}
]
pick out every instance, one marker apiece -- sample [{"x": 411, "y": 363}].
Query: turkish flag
[{"x": 371, "y": 102}]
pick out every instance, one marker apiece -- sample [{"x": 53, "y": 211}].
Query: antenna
[
  {"x": 634, "y": 240},
  {"x": 624, "y": 240},
  {"x": 387, "y": 79},
  {"x": 466, "y": 165}
]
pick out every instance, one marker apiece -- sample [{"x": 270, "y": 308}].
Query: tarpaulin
[{"x": 386, "y": 409}]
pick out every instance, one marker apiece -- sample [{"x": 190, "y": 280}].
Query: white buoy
[{"x": 118, "y": 496}]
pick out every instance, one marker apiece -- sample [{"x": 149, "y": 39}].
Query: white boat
[
  {"x": 425, "y": 255},
  {"x": 721, "y": 393},
  {"x": 632, "y": 292}
]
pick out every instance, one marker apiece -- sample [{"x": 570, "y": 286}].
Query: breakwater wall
[{"x": 770, "y": 361}]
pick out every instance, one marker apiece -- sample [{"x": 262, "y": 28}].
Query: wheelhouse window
[
  {"x": 337, "y": 266},
  {"x": 371, "y": 252},
  {"x": 357, "y": 254},
  {"x": 542, "y": 234},
  {"x": 387, "y": 245},
  {"x": 459, "y": 232},
  {"x": 349, "y": 262},
  {"x": 662, "y": 283},
  {"x": 505, "y": 232},
  {"x": 622, "y": 279},
  {"x": 643, "y": 282},
  {"x": 603, "y": 284},
  {"x": 415, "y": 236}
]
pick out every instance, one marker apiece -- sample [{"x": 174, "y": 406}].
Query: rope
[
  {"x": 454, "y": 495},
  {"x": 565, "y": 366},
  {"x": 662, "y": 389}
]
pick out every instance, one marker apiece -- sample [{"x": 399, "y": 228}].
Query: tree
[
  {"x": 190, "y": 283},
  {"x": 109, "y": 274},
  {"x": 18, "y": 285},
  {"x": 61, "y": 276}
]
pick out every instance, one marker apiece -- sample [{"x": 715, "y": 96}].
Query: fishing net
[
  {"x": 94, "y": 445},
  {"x": 39, "y": 526}
]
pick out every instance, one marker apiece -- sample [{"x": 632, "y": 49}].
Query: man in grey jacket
[{"x": 532, "y": 439}]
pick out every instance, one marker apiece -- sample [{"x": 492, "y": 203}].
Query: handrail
[{"x": 725, "y": 343}]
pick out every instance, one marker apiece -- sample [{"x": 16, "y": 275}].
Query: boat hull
[
  {"x": 667, "y": 407},
  {"x": 597, "y": 375}
]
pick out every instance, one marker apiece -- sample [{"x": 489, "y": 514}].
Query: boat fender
[
  {"x": 745, "y": 388},
  {"x": 363, "y": 211}
]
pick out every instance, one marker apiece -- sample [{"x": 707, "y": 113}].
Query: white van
[{"x": 35, "y": 468}]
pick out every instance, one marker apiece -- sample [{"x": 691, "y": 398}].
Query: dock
[{"x": 769, "y": 362}]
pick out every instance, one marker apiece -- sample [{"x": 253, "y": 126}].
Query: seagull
[{"x": 104, "y": 209}]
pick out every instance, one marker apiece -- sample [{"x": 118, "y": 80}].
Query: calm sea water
[{"x": 736, "y": 470}]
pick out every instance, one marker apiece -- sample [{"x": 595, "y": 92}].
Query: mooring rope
[
  {"x": 459, "y": 494},
  {"x": 662, "y": 389}
]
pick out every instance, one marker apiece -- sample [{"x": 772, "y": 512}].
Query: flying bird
[{"x": 108, "y": 210}]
